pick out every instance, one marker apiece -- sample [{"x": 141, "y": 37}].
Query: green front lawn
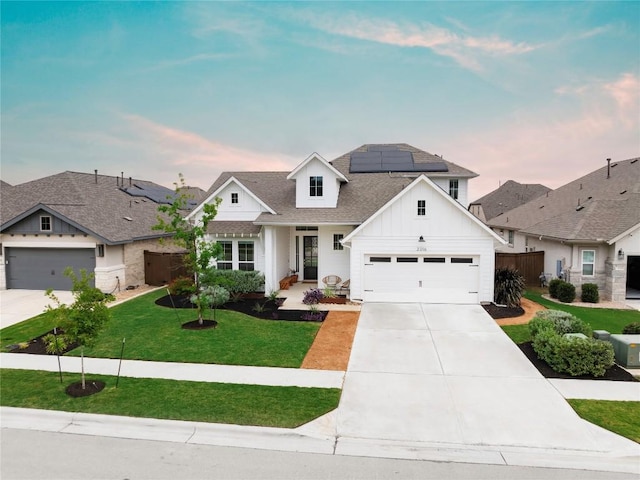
[
  {"x": 261, "y": 405},
  {"x": 622, "y": 418},
  {"x": 153, "y": 333}
]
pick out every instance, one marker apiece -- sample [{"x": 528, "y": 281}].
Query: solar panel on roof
[{"x": 390, "y": 159}]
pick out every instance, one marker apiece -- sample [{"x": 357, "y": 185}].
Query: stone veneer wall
[
  {"x": 134, "y": 258},
  {"x": 616, "y": 282},
  {"x": 599, "y": 279}
]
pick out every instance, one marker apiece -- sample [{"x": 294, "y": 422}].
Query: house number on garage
[{"x": 421, "y": 249}]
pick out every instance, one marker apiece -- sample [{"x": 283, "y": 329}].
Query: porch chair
[
  {"x": 343, "y": 289},
  {"x": 331, "y": 281}
]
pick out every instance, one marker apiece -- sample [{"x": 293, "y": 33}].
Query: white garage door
[{"x": 428, "y": 279}]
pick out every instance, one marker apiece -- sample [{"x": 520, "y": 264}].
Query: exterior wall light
[{"x": 620, "y": 254}]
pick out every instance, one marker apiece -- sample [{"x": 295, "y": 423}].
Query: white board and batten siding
[{"x": 454, "y": 264}]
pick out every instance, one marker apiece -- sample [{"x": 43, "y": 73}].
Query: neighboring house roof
[
  {"x": 591, "y": 208},
  {"x": 4, "y": 185},
  {"x": 195, "y": 193},
  {"x": 96, "y": 204},
  {"x": 508, "y": 196},
  {"x": 360, "y": 198}
]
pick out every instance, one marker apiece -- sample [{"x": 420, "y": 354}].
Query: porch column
[{"x": 270, "y": 260}]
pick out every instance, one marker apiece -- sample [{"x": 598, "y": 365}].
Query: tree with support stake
[
  {"x": 189, "y": 232},
  {"x": 80, "y": 322}
]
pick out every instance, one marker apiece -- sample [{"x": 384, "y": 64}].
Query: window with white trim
[
  {"x": 235, "y": 198},
  {"x": 453, "y": 188},
  {"x": 422, "y": 208},
  {"x": 588, "y": 263},
  {"x": 226, "y": 258},
  {"x": 45, "y": 223},
  {"x": 337, "y": 245},
  {"x": 511, "y": 234},
  {"x": 315, "y": 186},
  {"x": 246, "y": 256}
]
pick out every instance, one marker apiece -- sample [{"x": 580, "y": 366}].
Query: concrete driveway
[
  {"x": 19, "y": 305},
  {"x": 447, "y": 376}
]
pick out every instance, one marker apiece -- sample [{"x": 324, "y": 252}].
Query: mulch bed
[
  {"x": 196, "y": 325},
  {"x": 91, "y": 387},
  {"x": 615, "y": 373},
  {"x": 253, "y": 305},
  {"x": 36, "y": 346},
  {"x": 497, "y": 312}
]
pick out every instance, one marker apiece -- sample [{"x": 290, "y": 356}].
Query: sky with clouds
[{"x": 537, "y": 92}]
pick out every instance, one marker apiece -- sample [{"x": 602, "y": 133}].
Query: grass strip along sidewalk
[
  {"x": 154, "y": 333},
  {"x": 259, "y": 405},
  {"x": 622, "y": 418}
]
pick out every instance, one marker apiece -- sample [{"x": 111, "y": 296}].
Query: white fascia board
[
  {"x": 231, "y": 179},
  {"x": 442, "y": 193},
  {"x": 315, "y": 155},
  {"x": 624, "y": 234},
  {"x": 305, "y": 224}
]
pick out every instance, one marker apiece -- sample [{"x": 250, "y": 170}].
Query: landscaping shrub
[
  {"x": 566, "y": 292},
  {"x": 575, "y": 356},
  {"x": 590, "y": 293},
  {"x": 235, "y": 281},
  {"x": 508, "y": 287},
  {"x": 558, "y": 321},
  {"x": 553, "y": 287},
  {"x": 631, "y": 329},
  {"x": 313, "y": 296},
  {"x": 182, "y": 286}
]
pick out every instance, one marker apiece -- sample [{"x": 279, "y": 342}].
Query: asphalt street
[{"x": 48, "y": 455}]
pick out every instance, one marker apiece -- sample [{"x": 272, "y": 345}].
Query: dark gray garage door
[{"x": 42, "y": 268}]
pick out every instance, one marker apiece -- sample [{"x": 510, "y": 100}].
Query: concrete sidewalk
[{"x": 195, "y": 372}]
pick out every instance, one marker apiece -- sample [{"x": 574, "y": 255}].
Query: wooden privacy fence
[
  {"x": 162, "y": 268},
  {"x": 530, "y": 265}
]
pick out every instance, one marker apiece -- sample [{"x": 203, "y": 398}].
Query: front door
[{"x": 310, "y": 259}]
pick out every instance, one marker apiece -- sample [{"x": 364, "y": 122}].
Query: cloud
[
  {"x": 464, "y": 48},
  {"x": 201, "y": 57},
  {"x": 200, "y": 160},
  {"x": 554, "y": 148}
]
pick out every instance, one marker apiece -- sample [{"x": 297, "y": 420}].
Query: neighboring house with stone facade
[
  {"x": 99, "y": 223},
  {"x": 589, "y": 229}
]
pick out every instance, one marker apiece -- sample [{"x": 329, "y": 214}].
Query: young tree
[
  {"x": 82, "y": 321},
  {"x": 189, "y": 233}
]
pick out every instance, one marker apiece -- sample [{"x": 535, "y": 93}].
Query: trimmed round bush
[
  {"x": 590, "y": 293},
  {"x": 560, "y": 322},
  {"x": 553, "y": 287},
  {"x": 566, "y": 292},
  {"x": 631, "y": 329}
]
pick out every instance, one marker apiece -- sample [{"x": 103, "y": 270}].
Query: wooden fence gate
[
  {"x": 530, "y": 265},
  {"x": 162, "y": 268}
]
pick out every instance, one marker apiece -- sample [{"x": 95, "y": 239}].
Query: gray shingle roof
[
  {"x": 233, "y": 228},
  {"x": 360, "y": 198},
  {"x": 99, "y": 208},
  {"x": 592, "y": 207},
  {"x": 508, "y": 196}
]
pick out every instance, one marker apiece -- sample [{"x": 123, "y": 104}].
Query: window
[
  {"x": 588, "y": 262},
  {"x": 336, "y": 241},
  {"x": 306, "y": 229},
  {"x": 422, "y": 208},
  {"x": 407, "y": 260},
  {"x": 380, "y": 259},
  {"x": 434, "y": 260},
  {"x": 315, "y": 186},
  {"x": 245, "y": 256},
  {"x": 100, "y": 250},
  {"x": 226, "y": 259},
  {"x": 45, "y": 223},
  {"x": 453, "y": 189},
  {"x": 462, "y": 260},
  {"x": 234, "y": 198},
  {"x": 511, "y": 237}
]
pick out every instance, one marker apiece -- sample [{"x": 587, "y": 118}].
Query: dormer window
[
  {"x": 453, "y": 189},
  {"x": 315, "y": 186},
  {"x": 234, "y": 198},
  {"x": 422, "y": 208},
  {"x": 45, "y": 223}
]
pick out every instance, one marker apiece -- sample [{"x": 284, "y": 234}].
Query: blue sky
[{"x": 539, "y": 92}]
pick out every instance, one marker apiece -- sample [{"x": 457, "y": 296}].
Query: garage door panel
[
  {"x": 427, "y": 280},
  {"x": 43, "y": 268}
]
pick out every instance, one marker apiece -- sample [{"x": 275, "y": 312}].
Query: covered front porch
[{"x": 295, "y": 293}]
